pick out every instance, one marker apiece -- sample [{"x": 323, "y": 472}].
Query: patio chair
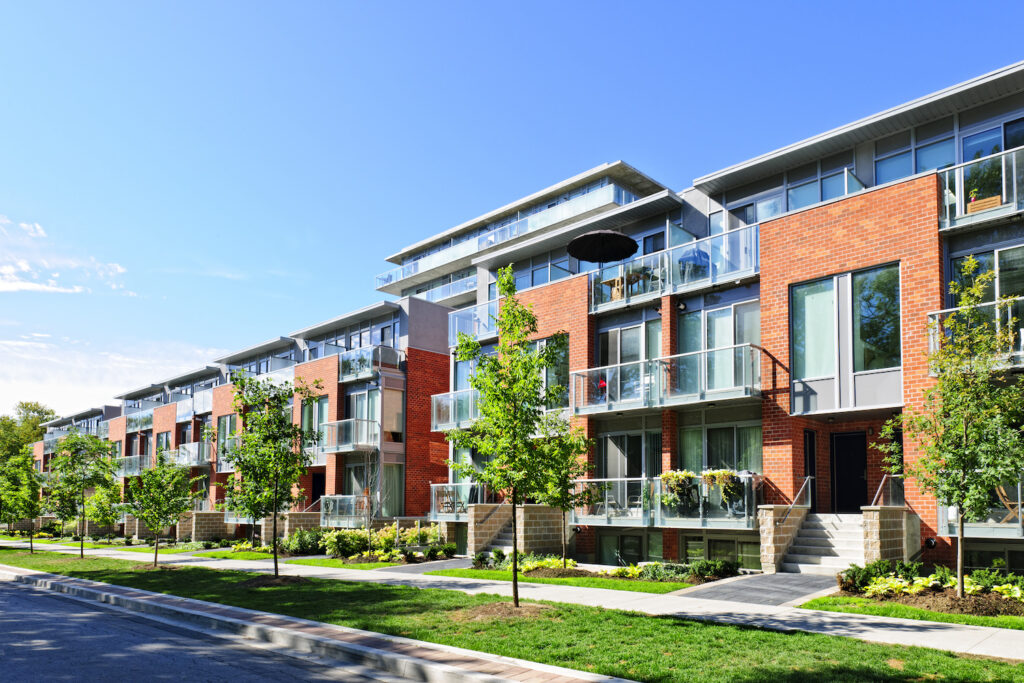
[{"x": 1014, "y": 506}]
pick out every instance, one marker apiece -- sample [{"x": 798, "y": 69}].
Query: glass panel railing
[
  {"x": 365, "y": 362},
  {"x": 183, "y": 409},
  {"x": 1008, "y": 313},
  {"x": 890, "y": 492},
  {"x": 317, "y": 455},
  {"x": 479, "y": 322},
  {"x": 202, "y": 401},
  {"x": 448, "y": 290},
  {"x": 103, "y": 429},
  {"x": 345, "y": 511},
  {"x": 235, "y": 517},
  {"x": 1003, "y": 519},
  {"x": 140, "y": 420},
  {"x": 987, "y": 187},
  {"x": 690, "y": 266},
  {"x": 224, "y": 462},
  {"x": 614, "y": 502},
  {"x": 691, "y": 377},
  {"x": 693, "y": 503},
  {"x": 453, "y": 410},
  {"x": 612, "y": 387},
  {"x": 566, "y": 210},
  {"x": 131, "y": 465},
  {"x": 450, "y": 502},
  {"x": 194, "y": 454},
  {"x": 354, "y": 434}
]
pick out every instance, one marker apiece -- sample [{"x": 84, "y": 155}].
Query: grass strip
[
  {"x": 608, "y": 642},
  {"x": 149, "y": 549},
  {"x": 231, "y": 555},
  {"x": 853, "y": 605},
  {"x": 610, "y": 583},
  {"x": 341, "y": 564}
]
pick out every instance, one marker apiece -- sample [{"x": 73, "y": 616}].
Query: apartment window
[
  {"x": 163, "y": 442},
  {"x": 654, "y": 243},
  {"x": 814, "y": 330},
  {"x": 876, "y": 319},
  {"x": 893, "y": 158},
  {"x": 711, "y": 447},
  {"x": 227, "y": 425},
  {"x": 314, "y": 415}
]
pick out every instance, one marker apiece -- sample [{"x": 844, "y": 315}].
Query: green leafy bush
[
  {"x": 224, "y": 543},
  {"x": 345, "y": 542},
  {"x": 546, "y": 563},
  {"x": 207, "y": 545},
  {"x": 714, "y": 569},
  {"x": 499, "y": 556},
  {"x": 448, "y": 550},
  {"x": 630, "y": 572},
  {"x": 481, "y": 560},
  {"x": 304, "y": 542}
]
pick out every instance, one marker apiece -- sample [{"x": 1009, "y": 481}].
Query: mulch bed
[
  {"x": 546, "y": 573},
  {"x": 985, "y": 605},
  {"x": 267, "y": 581},
  {"x": 148, "y": 567},
  {"x": 494, "y": 611}
]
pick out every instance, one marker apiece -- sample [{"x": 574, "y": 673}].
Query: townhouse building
[{"x": 775, "y": 315}]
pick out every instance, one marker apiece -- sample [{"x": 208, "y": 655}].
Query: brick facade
[{"x": 426, "y": 452}]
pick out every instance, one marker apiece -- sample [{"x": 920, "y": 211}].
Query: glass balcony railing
[
  {"x": 479, "y": 322},
  {"x": 716, "y": 374},
  {"x": 1000, "y": 315},
  {"x": 317, "y": 455},
  {"x": 140, "y": 420},
  {"x": 354, "y": 434},
  {"x": 52, "y": 438},
  {"x": 602, "y": 196},
  {"x": 448, "y": 290},
  {"x": 201, "y": 505},
  {"x": 103, "y": 429},
  {"x": 614, "y": 502},
  {"x": 982, "y": 189},
  {"x": 366, "y": 362},
  {"x": 687, "y": 267},
  {"x": 131, "y": 465},
  {"x": 453, "y": 410},
  {"x": 1003, "y": 519},
  {"x": 194, "y": 454},
  {"x": 450, "y": 502},
  {"x": 698, "y": 505},
  {"x": 224, "y": 462},
  {"x": 234, "y": 517},
  {"x": 346, "y": 511}
]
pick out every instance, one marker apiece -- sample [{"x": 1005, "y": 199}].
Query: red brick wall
[
  {"x": 426, "y": 452},
  {"x": 326, "y": 371},
  {"x": 223, "y": 396},
  {"x": 164, "y": 420},
  {"x": 897, "y": 223}
]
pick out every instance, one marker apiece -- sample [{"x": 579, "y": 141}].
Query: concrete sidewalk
[{"x": 958, "y": 638}]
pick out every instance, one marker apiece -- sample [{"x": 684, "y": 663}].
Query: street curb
[{"x": 399, "y": 664}]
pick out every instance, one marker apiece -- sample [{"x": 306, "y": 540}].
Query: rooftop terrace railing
[
  {"x": 982, "y": 189},
  {"x": 453, "y": 409},
  {"x": 365, "y": 362},
  {"x": 479, "y": 322},
  {"x": 450, "y": 289}
]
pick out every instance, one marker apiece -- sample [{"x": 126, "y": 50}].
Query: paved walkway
[
  {"x": 962, "y": 639},
  {"x": 424, "y": 567},
  {"x": 764, "y": 589}
]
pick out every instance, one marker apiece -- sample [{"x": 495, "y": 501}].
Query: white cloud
[
  {"x": 33, "y": 229},
  {"x": 70, "y": 376}
]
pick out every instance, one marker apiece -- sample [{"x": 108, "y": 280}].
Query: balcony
[
  {"x": 998, "y": 314},
  {"x": 642, "y": 502},
  {"x": 103, "y": 429},
  {"x": 730, "y": 372},
  {"x": 479, "y": 322},
  {"x": 464, "y": 286},
  {"x": 348, "y": 512},
  {"x": 52, "y": 438},
  {"x": 364, "y": 363},
  {"x": 450, "y": 502},
  {"x": 131, "y": 465},
  {"x": 727, "y": 257},
  {"x": 454, "y": 410},
  {"x": 1003, "y": 519},
  {"x": 140, "y": 420},
  {"x": 985, "y": 189},
  {"x": 233, "y": 517},
  {"x": 196, "y": 454},
  {"x": 316, "y": 454},
  {"x": 348, "y": 436},
  {"x": 224, "y": 462},
  {"x": 281, "y": 370},
  {"x": 575, "y": 207},
  {"x": 189, "y": 406}
]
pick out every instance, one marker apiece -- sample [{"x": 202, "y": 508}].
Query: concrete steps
[
  {"x": 502, "y": 541},
  {"x": 826, "y": 544}
]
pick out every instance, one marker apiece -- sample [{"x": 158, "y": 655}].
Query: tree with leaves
[
  {"x": 19, "y": 491},
  {"x": 22, "y": 429},
  {"x": 82, "y": 466},
  {"x": 269, "y": 455},
  {"x": 160, "y": 495},
  {"x": 511, "y": 403},
  {"x": 104, "y": 505},
  {"x": 563, "y": 449},
  {"x": 968, "y": 430}
]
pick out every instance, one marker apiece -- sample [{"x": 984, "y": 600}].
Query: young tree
[
  {"x": 969, "y": 428},
  {"x": 160, "y": 495},
  {"x": 19, "y": 491},
  {"x": 269, "y": 456},
  {"x": 562, "y": 448},
  {"x": 83, "y": 465},
  {"x": 511, "y": 402},
  {"x": 23, "y": 429},
  {"x": 104, "y": 505}
]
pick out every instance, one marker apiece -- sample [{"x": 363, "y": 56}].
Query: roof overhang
[
  {"x": 91, "y": 412},
  {"x": 617, "y": 170},
  {"x": 263, "y": 347},
  {"x": 661, "y": 202},
  {"x": 372, "y": 311},
  {"x": 971, "y": 93},
  {"x": 203, "y": 371},
  {"x": 139, "y": 391}
]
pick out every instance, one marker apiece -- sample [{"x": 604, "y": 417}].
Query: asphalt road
[{"x": 53, "y": 638}]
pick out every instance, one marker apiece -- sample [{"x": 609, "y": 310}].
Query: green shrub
[
  {"x": 663, "y": 571},
  {"x": 224, "y": 543},
  {"x": 499, "y": 556},
  {"x": 551, "y": 562},
  {"x": 714, "y": 569},
  {"x": 432, "y": 553},
  {"x": 76, "y": 538},
  {"x": 908, "y": 570},
  {"x": 345, "y": 542},
  {"x": 448, "y": 550},
  {"x": 128, "y": 540},
  {"x": 856, "y": 578},
  {"x": 481, "y": 560},
  {"x": 208, "y": 545},
  {"x": 630, "y": 572},
  {"x": 988, "y": 578},
  {"x": 409, "y": 555},
  {"x": 304, "y": 542},
  {"x": 944, "y": 574}
]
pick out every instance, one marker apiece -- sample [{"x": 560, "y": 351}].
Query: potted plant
[
  {"x": 731, "y": 487},
  {"x": 680, "y": 491}
]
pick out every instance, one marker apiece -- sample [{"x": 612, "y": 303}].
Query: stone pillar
[
  {"x": 485, "y": 521},
  {"x": 776, "y": 537},
  {"x": 885, "y": 533},
  {"x": 207, "y": 526},
  {"x": 183, "y": 529},
  {"x": 293, "y": 521},
  {"x": 538, "y": 529}
]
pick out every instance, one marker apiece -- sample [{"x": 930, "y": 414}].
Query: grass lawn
[
  {"x": 331, "y": 562},
  {"x": 609, "y": 642},
  {"x": 149, "y": 549},
  {"x": 231, "y": 555},
  {"x": 842, "y": 603},
  {"x": 584, "y": 581}
]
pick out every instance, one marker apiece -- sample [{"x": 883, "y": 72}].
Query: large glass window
[
  {"x": 314, "y": 415},
  {"x": 876, "y": 319},
  {"x": 814, "y": 333},
  {"x": 732, "y": 447},
  {"x": 163, "y": 442}
]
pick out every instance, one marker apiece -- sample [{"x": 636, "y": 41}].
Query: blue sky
[{"x": 181, "y": 179}]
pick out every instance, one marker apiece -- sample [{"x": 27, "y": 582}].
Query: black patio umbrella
[{"x": 602, "y": 246}]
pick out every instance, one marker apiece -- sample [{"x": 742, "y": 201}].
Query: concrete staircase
[
  {"x": 503, "y": 539},
  {"x": 826, "y": 544}
]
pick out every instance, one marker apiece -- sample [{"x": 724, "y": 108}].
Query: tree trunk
[
  {"x": 156, "y": 549},
  {"x": 515, "y": 554},
  {"x": 81, "y": 532},
  {"x": 31, "y": 533},
  {"x": 273, "y": 542},
  {"x": 563, "y": 539},
  {"x": 960, "y": 552}
]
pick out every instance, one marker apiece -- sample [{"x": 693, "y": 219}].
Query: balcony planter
[{"x": 681, "y": 492}]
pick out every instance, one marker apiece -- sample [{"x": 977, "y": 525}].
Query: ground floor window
[
  {"x": 746, "y": 551},
  {"x": 1006, "y": 556}
]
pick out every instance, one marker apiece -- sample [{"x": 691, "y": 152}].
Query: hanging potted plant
[
  {"x": 680, "y": 491},
  {"x": 729, "y": 485}
]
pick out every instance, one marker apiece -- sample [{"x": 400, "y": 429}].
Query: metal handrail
[
  {"x": 881, "y": 485},
  {"x": 807, "y": 480}
]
